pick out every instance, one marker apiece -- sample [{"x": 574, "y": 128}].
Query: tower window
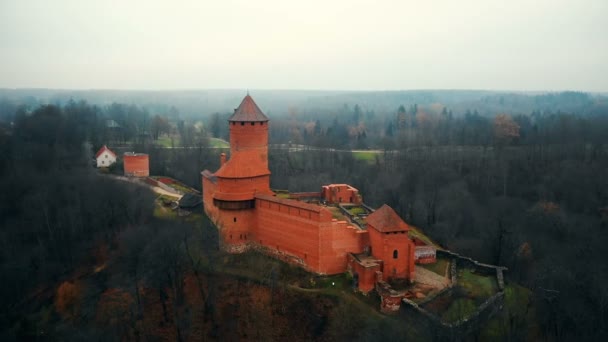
[
  {"x": 395, "y": 254},
  {"x": 235, "y": 219}
]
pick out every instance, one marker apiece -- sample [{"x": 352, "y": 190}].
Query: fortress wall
[
  {"x": 337, "y": 240},
  {"x": 208, "y": 190},
  {"x": 289, "y": 227},
  {"x": 235, "y": 228},
  {"x": 234, "y": 225},
  {"x": 366, "y": 275},
  {"x": 383, "y": 246}
]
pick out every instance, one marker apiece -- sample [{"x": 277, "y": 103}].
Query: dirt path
[
  {"x": 164, "y": 192},
  {"x": 140, "y": 181},
  {"x": 431, "y": 278}
]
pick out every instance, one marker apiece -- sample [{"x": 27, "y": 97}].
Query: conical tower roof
[
  {"x": 248, "y": 111},
  {"x": 386, "y": 220}
]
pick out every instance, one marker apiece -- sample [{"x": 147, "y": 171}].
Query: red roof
[
  {"x": 248, "y": 111},
  {"x": 386, "y": 220},
  {"x": 243, "y": 166},
  {"x": 102, "y": 149}
]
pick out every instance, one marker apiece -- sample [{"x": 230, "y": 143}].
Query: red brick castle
[{"x": 326, "y": 232}]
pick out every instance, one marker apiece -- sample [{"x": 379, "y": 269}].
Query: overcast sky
[{"x": 305, "y": 44}]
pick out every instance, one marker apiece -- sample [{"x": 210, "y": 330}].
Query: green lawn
[
  {"x": 181, "y": 188},
  {"x": 518, "y": 315},
  {"x": 164, "y": 212},
  {"x": 415, "y": 232},
  {"x": 458, "y": 309},
  {"x": 477, "y": 286},
  {"x": 356, "y": 210},
  {"x": 439, "y": 267},
  {"x": 369, "y": 157},
  {"x": 165, "y": 141}
]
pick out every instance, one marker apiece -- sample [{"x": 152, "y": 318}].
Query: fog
[{"x": 344, "y": 45}]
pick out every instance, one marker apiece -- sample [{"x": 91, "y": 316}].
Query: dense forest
[{"x": 83, "y": 256}]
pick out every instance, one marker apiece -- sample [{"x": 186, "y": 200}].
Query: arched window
[
  {"x": 235, "y": 219},
  {"x": 252, "y": 123},
  {"x": 242, "y": 123},
  {"x": 395, "y": 254}
]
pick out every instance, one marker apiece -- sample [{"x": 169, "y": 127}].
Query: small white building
[{"x": 105, "y": 157}]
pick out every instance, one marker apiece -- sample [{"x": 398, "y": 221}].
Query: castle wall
[
  {"x": 384, "y": 246},
  {"x": 337, "y": 239},
  {"x": 340, "y": 193},
  {"x": 366, "y": 275},
  {"x": 235, "y": 226},
  {"x": 306, "y": 232},
  {"x": 289, "y": 227}
]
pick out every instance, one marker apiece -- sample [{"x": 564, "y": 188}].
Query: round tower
[{"x": 246, "y": 172}]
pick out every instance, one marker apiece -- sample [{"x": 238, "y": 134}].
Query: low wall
[
  {"x": 484, "y": 311},
  {"x": 479, "y": 266},
  {"x": 300, "y": 195}
]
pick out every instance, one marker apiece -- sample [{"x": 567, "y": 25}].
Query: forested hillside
[{"x": 527, "y": 190}]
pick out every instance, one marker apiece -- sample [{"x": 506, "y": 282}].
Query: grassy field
[
  {"x": 518, "y": 315},
  {"x": 164, "y": 212},
  {"x": 365, "y": 156},
  {"x": 477, "y": 286},
  {"x": 415, "y": 232},
  {"x": 165, "y": 141},
  {"x": 439, "y": 267},
  {"x": 356, "y": 210},
  {"x": 460, "y": 308}
]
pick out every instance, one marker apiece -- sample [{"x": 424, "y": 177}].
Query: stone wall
[
  {"x": 483, "y": 312},
  {"x": 486, "y": 269}
]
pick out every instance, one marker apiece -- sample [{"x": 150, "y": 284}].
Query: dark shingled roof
[
  {"x": 190, "y": 200},
  {"x": 248, "y": 111},
  {"x": 386, "y": 220}
]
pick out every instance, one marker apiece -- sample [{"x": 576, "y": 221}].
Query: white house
[{"x": 105, "y": 157}]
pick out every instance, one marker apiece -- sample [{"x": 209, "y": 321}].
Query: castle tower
[{"x": 239, "y": 179}]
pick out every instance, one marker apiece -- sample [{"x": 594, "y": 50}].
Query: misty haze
[{"x": 276, "y": 170}]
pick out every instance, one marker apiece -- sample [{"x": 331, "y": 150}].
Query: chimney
[{"x": 222, "y": 159}]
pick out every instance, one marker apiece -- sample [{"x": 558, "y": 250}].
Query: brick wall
[{"x": 384, "y": 246}]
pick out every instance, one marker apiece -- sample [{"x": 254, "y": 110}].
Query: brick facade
[{"x": 238, "y": 200}]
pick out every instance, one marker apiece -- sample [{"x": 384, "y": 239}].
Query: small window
[
  {"x": 242, "y": 123},
  {"x": 262, "y": 123},
  {"x": 235, "y": 219},
  {"x": 395, "y": 254},
  {"x": 252, "y": 123},
  {"x": 106, "y": 156}
]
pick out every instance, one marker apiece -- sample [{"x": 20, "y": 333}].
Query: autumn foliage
[
  {"x": 505, "y": 128},
  {"x": 67, "y": 300}
]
